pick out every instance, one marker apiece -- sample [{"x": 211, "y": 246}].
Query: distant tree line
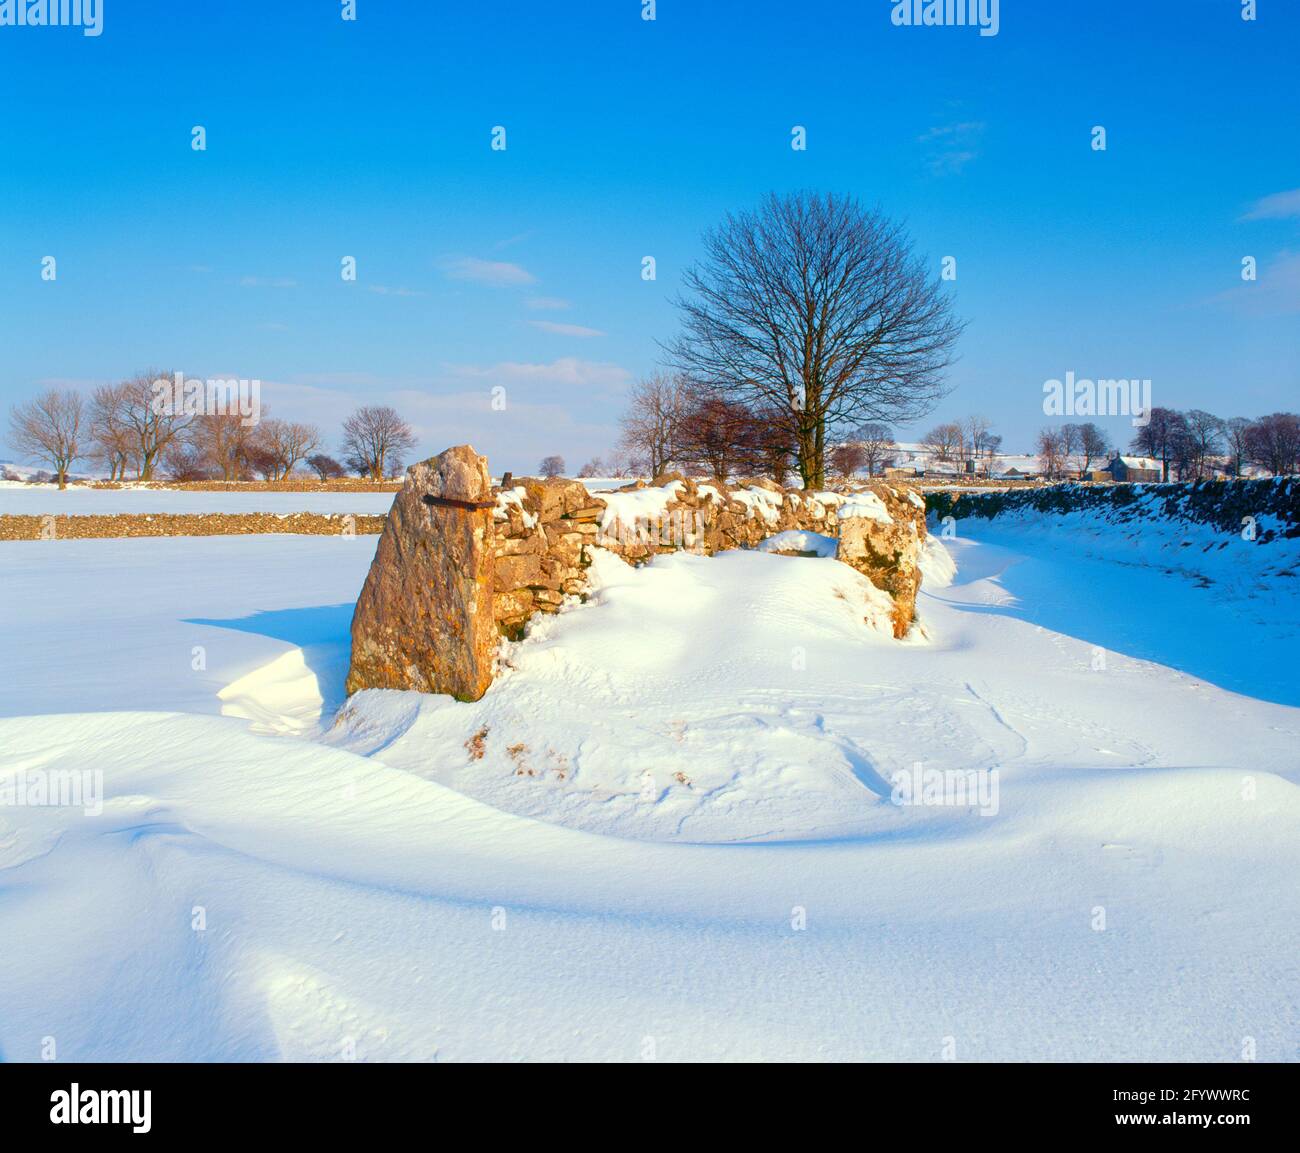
[
  {"x": 1079, "y": 447},
  {"x": 971, "y": 440},
  {"x": 120, "y": 430},
  {"x": 1194, "y": 444},
  {"x": 1190, "y": 445}
]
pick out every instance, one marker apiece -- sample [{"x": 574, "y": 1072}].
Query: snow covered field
[{"x": 666, "y": 831}]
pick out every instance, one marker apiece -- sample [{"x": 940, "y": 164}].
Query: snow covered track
[{"x": 527, "y": 877}]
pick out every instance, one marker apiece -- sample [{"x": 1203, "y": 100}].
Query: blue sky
[{"x": 628, "y": 138}]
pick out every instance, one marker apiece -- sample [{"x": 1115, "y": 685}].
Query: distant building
[{"x": 1133, "y": 468}]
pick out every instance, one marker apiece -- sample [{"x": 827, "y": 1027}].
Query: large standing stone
[{"x": 424, "y": 620}]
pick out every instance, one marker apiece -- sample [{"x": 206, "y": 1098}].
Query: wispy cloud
[
  {"x": 547, "y": 303},
  {"x": 950, "y": 147},
  {"x": 566, "y": 372},
  {"x": 1275, "y": 293},
  {"x": 1279, "y": 206},
  {"x": 510, "y": 241},
  {"x": 493, "y": 272},
  {"x": 268, "y": 282},
  {"x": 386, "y": 290},
  {"x": 565, "y": 329}
]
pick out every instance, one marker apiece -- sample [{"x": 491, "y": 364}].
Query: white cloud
[
  {"x": 565, "y": 329},
  {"x": 1276, "y": 207},
  {"x": 493, "y": 272}
]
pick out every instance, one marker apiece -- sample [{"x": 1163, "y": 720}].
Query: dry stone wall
[
  {"x": 545, "y": 530},
  {"x": 459, "y": 562}
]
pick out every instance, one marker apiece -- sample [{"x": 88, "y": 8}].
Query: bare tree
[
  {"x": 1051, "y": 452},
  {"x": 287, "y": 444},
  {"x": 183, "y": 460},
  {"x": 1070, "y": 440},
  {"x": 551, "y": 466},
  {"x": 1093, "y": 444},
  {"x": 1159, "y": 437},
  {"x": 1273, "y": 443},
  {"x": 594, "y": 467},
  {"x": 376, "y": 440},
  {"x": 716, "y": 435},
  {"x": 1204, "y": 440},
  {"x": 816, "y": 308},
  {"x": 134, "y": 422},
  {"x": 975, "y": 430},
  {"x": 113, "y": 444},
  {"x": 771, "y": 443},
  {"x": 325, "y": 467},
  {"x": 944, "y": 441},
  {"x": 848, "y": 459},
  {"x": 878, "y": 445},
  {"x": 1235, "y": 430},
  {"x": 151, "y": 424},
  {"x": 992, "y": 445},
  {"x": 49, "y": 429},
  {"x": 224, "y": 440},
  {"x": 655, "y": 408}
]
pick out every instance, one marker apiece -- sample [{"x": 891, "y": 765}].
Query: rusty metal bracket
[{"x": 452, "y": 502}]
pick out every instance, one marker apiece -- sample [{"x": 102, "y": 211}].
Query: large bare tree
[
  {"x": 375, "y": 441},
  {"x": 49, "y": 429},
  {"x": 817, "y": 308}
]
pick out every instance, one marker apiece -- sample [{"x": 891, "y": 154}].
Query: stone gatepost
[{"x": 424, "y": 618}]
